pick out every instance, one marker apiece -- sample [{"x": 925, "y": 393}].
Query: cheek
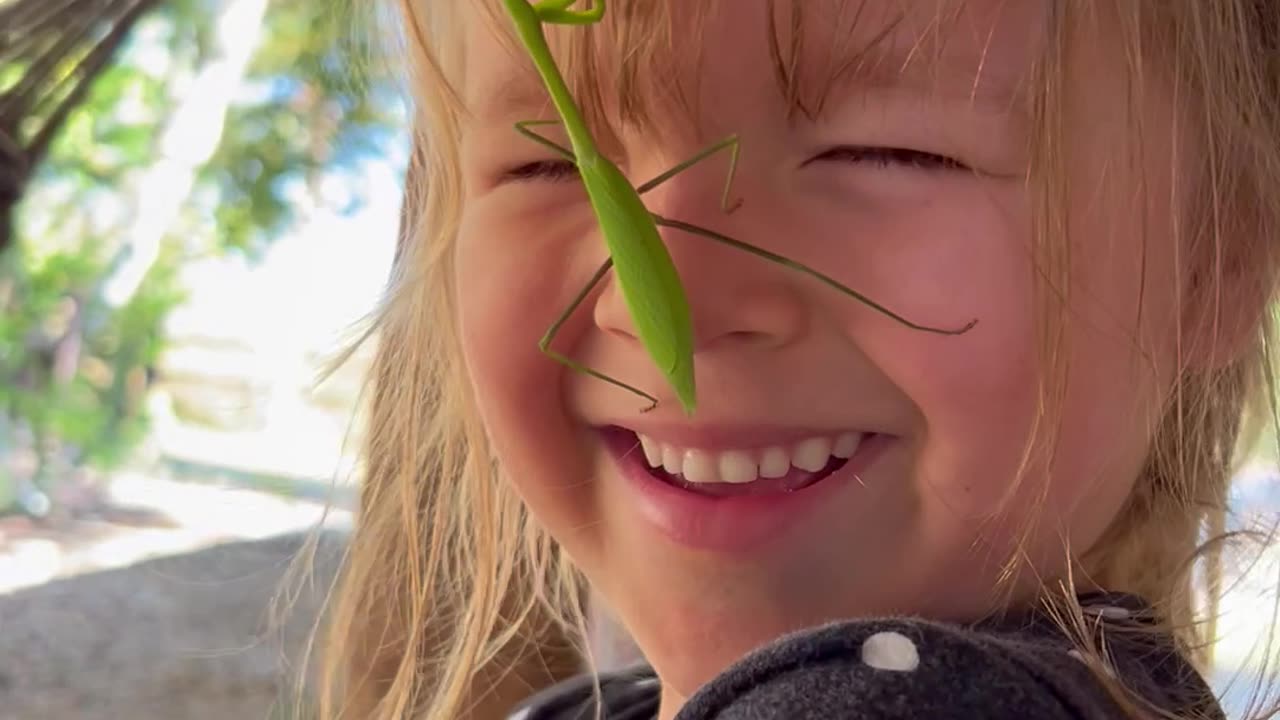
[
  {"x": 1122, "y": 344},
  {"x": 978, "y": 400},
  {"x": 501, "y": 301},
  {"x": 974, "y": 393},
  {"x": 508, "y": 294},
  {"x": 497, "y": 345},
  {"x": 977, "y": 394}
]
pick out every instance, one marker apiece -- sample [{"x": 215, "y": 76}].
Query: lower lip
[{"x": 735, "y": 523}]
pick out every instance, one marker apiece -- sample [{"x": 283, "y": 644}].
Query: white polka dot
[
  {"x": 890, "y": 651},
  {"x": 1109, "y": 612}
]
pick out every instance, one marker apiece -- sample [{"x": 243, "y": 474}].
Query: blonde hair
[{"x": 453, "y": 602}]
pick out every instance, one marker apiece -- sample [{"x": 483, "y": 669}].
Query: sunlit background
[{"x": 211, "y": 224}]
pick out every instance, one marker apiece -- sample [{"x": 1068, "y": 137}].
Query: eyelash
[
  {"x": 884, "y": 157},
  {"x": 552, "y": 170}
]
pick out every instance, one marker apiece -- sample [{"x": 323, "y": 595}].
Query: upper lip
[{"x": 729, "y": 437}]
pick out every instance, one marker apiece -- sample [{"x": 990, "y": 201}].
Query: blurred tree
[
  {"x": 51, "y": 53},
  {"x": 195, "y": 140}
]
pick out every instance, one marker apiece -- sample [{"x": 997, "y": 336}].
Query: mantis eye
[{"x": 553, "y": 170}]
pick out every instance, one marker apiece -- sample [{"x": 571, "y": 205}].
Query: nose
[{"x": 737, "y": 300}]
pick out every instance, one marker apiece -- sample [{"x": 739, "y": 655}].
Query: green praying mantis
[{"x": 646, "y": 275}]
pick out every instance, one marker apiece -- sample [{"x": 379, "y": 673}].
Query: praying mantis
[{"x": 650, "y": 285}]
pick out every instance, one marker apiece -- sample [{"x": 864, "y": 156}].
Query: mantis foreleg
[
  {"x": 730, "y": 143},
  {"x": 523, "y": 126},
  {"x": 557, "y": 12}
]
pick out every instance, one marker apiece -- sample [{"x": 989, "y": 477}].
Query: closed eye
[
  {"x": 551, "y": 170},
  {"x": 886, "y": 157},
  {"x": 559, "y": 170}
]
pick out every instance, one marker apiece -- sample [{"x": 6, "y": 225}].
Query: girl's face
[{"x": 869, "y": 193}]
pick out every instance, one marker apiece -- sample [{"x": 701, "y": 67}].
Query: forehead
[{"x": 974, "y": 50}]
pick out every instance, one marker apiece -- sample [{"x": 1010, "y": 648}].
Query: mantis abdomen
[{"x": 646, "y": 274}]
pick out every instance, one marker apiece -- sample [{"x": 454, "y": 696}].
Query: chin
[
  {"x": 694, "y": 615},
  {"x": 688, "y": 652}
]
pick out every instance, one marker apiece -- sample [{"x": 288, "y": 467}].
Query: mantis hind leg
[
  {"x": 792, "y": 264},
  {"x": 545, "y": 343}
]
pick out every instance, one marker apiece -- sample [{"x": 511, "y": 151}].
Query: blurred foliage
[
  {"x": 295, "y": 125},
  {"x": 73, "y": 369}
]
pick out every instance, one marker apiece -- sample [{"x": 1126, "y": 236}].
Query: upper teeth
[{"x": 744, "y": 466}]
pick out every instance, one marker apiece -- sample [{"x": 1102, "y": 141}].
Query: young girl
[{"x": 861, "y": 520}]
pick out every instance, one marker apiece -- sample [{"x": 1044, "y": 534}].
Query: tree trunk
[{"x": 44, "y": 34}]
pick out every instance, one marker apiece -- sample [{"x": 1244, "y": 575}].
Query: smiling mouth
[{"x": 779, "y": 468}]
